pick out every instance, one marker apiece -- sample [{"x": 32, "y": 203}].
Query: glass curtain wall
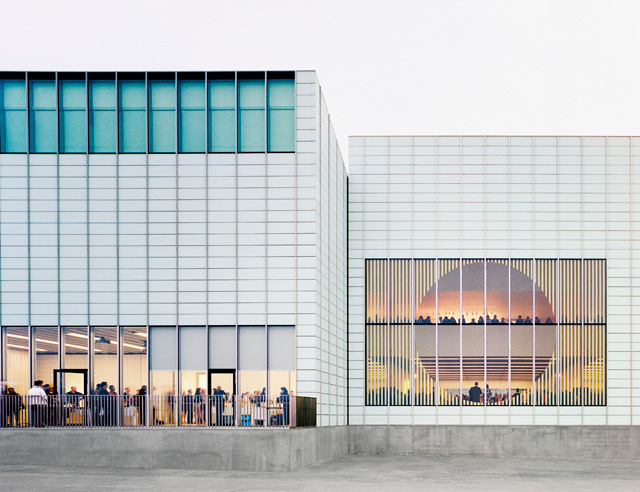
[
  {"x": 248, "y": 112},
  {"x": 16, "y": 358},
  {"x": 13, "y": 115},
  {"x": 528, "y": 332},
  {"x": 72, "y": 114},
  {"x": 134, "y": 358},
  {"x": 42, "y": 114},
  {"x": 45, "y": 343},
  {"x": 105, "y": 357}
]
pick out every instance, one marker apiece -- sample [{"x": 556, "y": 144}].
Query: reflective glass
[
  {"x": 102, "y": 116},
  {"x": 42, "y": 116},
  {"x": 17, "y": 358},
  {"x": 162, "y": 116},
  {"x": 222, "y": 117},
  {"x": 191, "y": 124},
  {"x": 251, "y": 123},
  {"x": 13, "y": 116},
  {"x": 132, "y": 116},
  {"x": 72, "y": 114},
  {"x": 281, "y": 103}
]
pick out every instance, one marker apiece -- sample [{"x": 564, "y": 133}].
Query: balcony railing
[{"x": 80, "y": 411}]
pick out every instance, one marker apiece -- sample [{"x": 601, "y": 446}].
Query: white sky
[{"x": 386, "y": 67}]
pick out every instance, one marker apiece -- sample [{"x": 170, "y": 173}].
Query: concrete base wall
[
  {"x": 610, "y": 443},
  {"x": 189, "y": 449}
]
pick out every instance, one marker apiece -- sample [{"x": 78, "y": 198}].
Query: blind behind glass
[
  {"x": 251, "y": 121},
  {"x": 281, "y": 115},
  {"x": 13, "y": 116},
  {"x": 102, "y": 116},
  {"x": 191, "y": 122},
  {"x": 132, "y": 116},
  {"x": 222, "y": 118},
  {"x": 162, "y": 348},
  {"x": 42, "y": 116},
  {"x": 72, "y": 115},
  {"x": 162, "y": 116}
]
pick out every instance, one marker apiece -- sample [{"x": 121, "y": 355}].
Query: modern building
[
  {"x": 184, "y": 230},
  {"x": 175, "y": 231}
]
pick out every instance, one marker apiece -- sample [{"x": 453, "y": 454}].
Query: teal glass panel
[
  {"x": 72, "y": 114},
  {"x": 251, "y": 121},
  {"x": 191, "y": 123},
  {"x": 132, "y": 123},
  {"x": 102, "y": 116},
  {"x": 281, "y": 115},
  {"x": 42, "y": 117},
  {"x": 222, "y": 117},
  {"x": 13, "y": 116},
  {"x": 162, "y": 116}
]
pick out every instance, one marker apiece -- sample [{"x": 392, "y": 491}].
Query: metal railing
[{"x": 149, "y": 411}]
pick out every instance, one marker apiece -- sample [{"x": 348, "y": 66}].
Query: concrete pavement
[{"x": 349, "y": 473}]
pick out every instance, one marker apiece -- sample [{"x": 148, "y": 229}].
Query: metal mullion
[
  {"x": 57, "y": 99},
  {"x": 237, "y": 133},
  {"x": 266, "y": 238},
  {"x": 486, "y": 400},
  {"x": 437, "y": 277},
  {"x": 207, "y": 328},
  {"x": 388, "y": 290},
  {"x": 509, "y": 269},
  {"x": 88, "y": 210},
  {"x": 295, "y": 218}
]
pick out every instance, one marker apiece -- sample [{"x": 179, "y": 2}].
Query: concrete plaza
[{"x": 349, "y": 473}]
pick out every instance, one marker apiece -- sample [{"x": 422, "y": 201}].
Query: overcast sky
[{"x": 386, "y": 67}]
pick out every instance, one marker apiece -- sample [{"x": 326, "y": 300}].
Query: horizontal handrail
[{"x": 148, "y": 411}]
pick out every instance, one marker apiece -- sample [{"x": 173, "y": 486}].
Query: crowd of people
[
  {"x": 452, "y": 320},
  {"x": 104, "y": 407}
]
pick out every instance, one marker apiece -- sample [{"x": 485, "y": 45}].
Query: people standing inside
[
  {"x": 188, "y": 406},
  {"x": 475, "y": 393},
  {"x": 15, "y": 407},
  {"x": 37, "y": 400},
  {"x": 515, "y": 399},
  {"x": 142, "y": 405},
  {"x": 219, "y": 397},
  {"x": 284, "y": 399}
]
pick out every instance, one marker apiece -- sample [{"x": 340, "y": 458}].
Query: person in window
[
  {"x": 549, "y": 322},
  {"x": 219, "y": 397},
  {"x": 527, "y": 321},
  {"x": 475, "y": 393},
  {"x": 516, "y": 397},
  {"x": 480, "y": 320},
  {"x": 37, "y": 399},
  {"x": 15, "y": 406},
  {"x": 284, "y": 399},
  {"x": 519, "y": 321},
  {"x": 494, "y": 320}
]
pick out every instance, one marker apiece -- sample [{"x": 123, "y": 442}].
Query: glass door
[
  {"x": 222, "y": 389},
  {"x": 70, "y": 381}
]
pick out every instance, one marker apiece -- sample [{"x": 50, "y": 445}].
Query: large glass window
[
  {"x": 251, "y": 359},
  {"x": 17, "y": 358},
  {"x": 72, "y": 116},
  {"x": 76, "y": 348},
  {"x": 13, "y": 116},
  {"x": 282, "y": 359},
  {"x": 162, "y": 116},
  {"x": 281, "y": 114},
  {"x": 526, "y": 331},
  {"x": 45, "y": 339},
  {"x": 42, "y": 115},
  {"x": 102, "y": 116},
  {"x": 251, "y": 107},
  {"x": 191, "y": 118},
  {"x": 132, "y": 121},
  {"x": 105, "y": 359},
  {"x": 134, "y": 358},
  {"x": 222, "y": 113}
]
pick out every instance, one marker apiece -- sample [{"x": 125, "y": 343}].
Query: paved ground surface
[{"x": 351, "y": 473}]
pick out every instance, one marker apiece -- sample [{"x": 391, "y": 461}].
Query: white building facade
[
  {"x": 162, "y": 226},
  {"x": 510, "y": 262}
]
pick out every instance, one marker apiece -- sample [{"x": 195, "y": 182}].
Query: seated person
[
  {"x": 519, "y": 321},
  {"x": 495, "y": 320},
  {"x": 527, "y": 320},
  {"x": 480, "y": 320}
]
